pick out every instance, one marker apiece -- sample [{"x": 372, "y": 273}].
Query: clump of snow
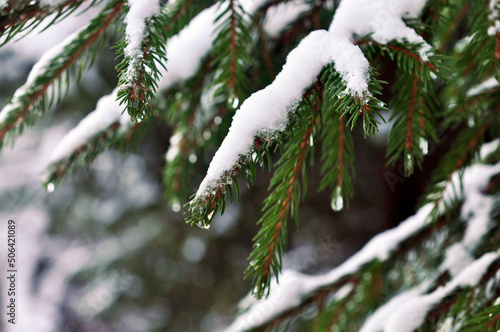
[
  {"x": 135, "y": 31},
  {"x": 267, "y": 110},
  {"x": 377, "y": 320},
  {"x": 381, "y": 18},
  {"x": 107, "y": 112},
  {"x": 139, "y": 12},
  {"x": 410, "y": 315},
  {"x": 488, "y": 148},
  {"x": 457, "y": 257},
  {"x": 184, "y": 59},
  {"x": 489, "y": 84},
  {"x": 280, "y": 16}
]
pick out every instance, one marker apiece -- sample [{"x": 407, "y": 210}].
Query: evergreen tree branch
[
  {"x": 24, "y": 16},
  {"x": 83, "y": 155},
  {"x": 30, "y": 100},
  {"x": 414, "y": 103},
  {"x": 139, "y": 70},
  {"x": 230, "y": 52},
  {"x": 103, "y": 128},
  {"x": 340, "y": 113},
  {"x": 285, "y": 196}
]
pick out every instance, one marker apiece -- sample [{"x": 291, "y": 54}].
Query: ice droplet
[
  {"x": 424, "y": 145},
  {"x": 337, "y": 200},
  {"x": 51, "y": 187},
  {"x": 408, "y": 162}
]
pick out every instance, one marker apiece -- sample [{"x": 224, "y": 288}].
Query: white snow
[
  {"x": 280, "y": 16},
  {"x": 457, "y": 257},
  {"x": 410, "y": 315},
  {"x": 490, "y": 83},
  {"x": 488, "y": 148},
  {"x": 139, "y": 12},
  {"x": 3, "y": 3},
  {"x": 107, "y": 112},
  {"x": 476, "y": 209},
  {"x": 289, "y": 293},
  {"x": 186, "y": 50},
  {"x": 377, "y": 320},
  {"x": 382, "y": 18}
]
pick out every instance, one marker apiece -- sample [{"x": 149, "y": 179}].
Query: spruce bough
[{"x": 208, "y": 69}]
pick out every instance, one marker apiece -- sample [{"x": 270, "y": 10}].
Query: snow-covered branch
[{"x": 295, "y": 288}]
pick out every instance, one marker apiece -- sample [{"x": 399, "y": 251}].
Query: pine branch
[
  {"x": 24, "y": 16},
  {"x": 231, "y": 52},
  {"x": 33, "y": 98},
  {"x": 413, "y": 103},
  {"x": 103, "y": 128},
  {"x": 285, "y": 196},
  {"x": 139, "y": 70},
  {"x": 83, "y": 155},
  {"x": 203, "y": 208},
  {"x": 192, "y": 122}
]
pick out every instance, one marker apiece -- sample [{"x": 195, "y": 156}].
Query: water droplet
[
  {"x": 234, "y": 103},
  {"x": 210, "y": 216},
  {"x": 51, "y": 187},
  {"x": 337, "y": 199},
  {"x": 217, "y": 120},
  {"x": 311, "y": 140},
  {"x": 192, "y": 158},
  {"x": 424, "y": 145}
]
